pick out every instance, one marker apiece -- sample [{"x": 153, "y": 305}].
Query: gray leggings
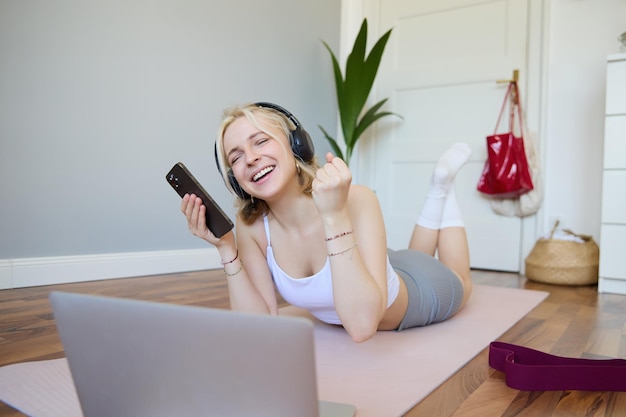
[{"x": 435, "y": 292}]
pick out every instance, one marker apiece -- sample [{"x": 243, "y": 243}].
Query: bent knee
[{"x": 466, "y": 283}]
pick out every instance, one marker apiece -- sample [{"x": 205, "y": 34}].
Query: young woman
[{"x": 320, "y": 240}]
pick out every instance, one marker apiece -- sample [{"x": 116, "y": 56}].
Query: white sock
[
  {"x": 441, "y": 183},
  {"x": 451, "y": 212}
]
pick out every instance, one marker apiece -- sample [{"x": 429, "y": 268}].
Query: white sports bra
[{"x": 315, "y": 293}]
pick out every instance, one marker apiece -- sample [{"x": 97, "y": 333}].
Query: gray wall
[{"x": 99, "y": 98}]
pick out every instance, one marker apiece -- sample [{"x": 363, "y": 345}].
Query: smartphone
[{"x": 183, "y": 182}]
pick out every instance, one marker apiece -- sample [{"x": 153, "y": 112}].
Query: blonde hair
[{"x": 249, "y": 209}]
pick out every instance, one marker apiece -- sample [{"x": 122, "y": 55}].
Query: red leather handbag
[{"x": 506, "y": 173}]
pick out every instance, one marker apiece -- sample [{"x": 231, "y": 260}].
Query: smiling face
[{"x": 259, "y": 156}]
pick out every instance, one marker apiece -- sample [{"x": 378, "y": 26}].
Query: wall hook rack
[{"x": 514, "y": 79}]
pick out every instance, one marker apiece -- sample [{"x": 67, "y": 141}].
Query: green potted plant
[{"x": 353, "y": 90}]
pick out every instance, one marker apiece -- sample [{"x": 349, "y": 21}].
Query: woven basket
[{"x": 563, "y": 262}]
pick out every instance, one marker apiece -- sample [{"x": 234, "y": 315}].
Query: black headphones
[{"x": 299, "y": 139}]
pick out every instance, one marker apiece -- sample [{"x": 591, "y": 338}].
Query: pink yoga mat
[{"x": 384, "y": 376}]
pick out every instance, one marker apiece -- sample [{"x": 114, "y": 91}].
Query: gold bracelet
[
  {"x": 328, "y": 239},
  {"x": 236, "y": 272},
  {"x": 343, "y": 251}
]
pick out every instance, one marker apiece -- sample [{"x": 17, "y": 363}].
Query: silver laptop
[{"x": 133, "y": 358}]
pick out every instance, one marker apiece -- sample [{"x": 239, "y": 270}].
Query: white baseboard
[
  {"x": 612, "y": 285},
  {"x": 30, "y": 272}
]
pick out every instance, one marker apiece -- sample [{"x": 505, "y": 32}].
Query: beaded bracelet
[
  {"x": 328, "y": 239},
  {"x": 236, "y": 272},
  {"x": 231, "y": 261}
]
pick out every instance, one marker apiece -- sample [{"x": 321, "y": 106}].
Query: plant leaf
[
  {"x": 337, "y": 73},
  {"x": 353, "y": 89},
  {"x": 365, "y": 75},
  {"x": 370, "y": 117},
  {"x": 365, "y": 123},
  {"x": 332, "y": 142},
  {"x": 354, "y": 92},
  {"x": 375, "y": 56},
  {"x": 359, "y": 79}
]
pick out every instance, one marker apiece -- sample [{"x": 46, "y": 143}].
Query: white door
[{"x": 439, "y": 72}]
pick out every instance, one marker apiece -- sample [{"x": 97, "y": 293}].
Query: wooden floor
[{"x": 572, "y": 321}]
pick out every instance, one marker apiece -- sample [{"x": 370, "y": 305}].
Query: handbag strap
[
  {"x": 531, "y": 370},
  {"x": 512, "y": 96},
  {"x": 517, "y": 103},
  {"x": 506, "y": 99}
]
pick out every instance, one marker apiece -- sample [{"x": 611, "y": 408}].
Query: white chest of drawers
[{"x": 613, "y": 230}]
